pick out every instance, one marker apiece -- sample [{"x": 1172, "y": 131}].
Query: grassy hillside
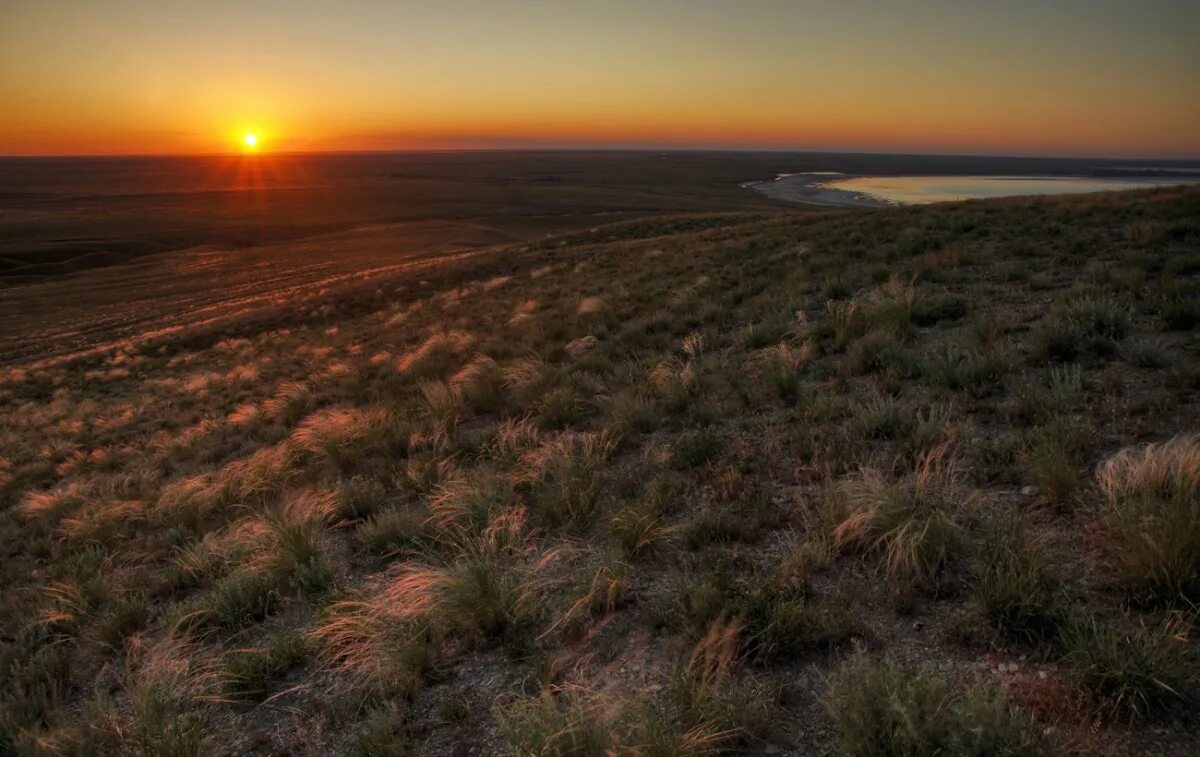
[{"x": 890, "y": 482}]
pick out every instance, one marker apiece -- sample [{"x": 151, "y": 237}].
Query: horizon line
[{"x": 598, "y": 148}]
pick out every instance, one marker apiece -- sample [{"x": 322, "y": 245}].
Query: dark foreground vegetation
[{"x": 915, "y": 481}]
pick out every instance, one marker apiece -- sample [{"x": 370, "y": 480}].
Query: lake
[{"x": 920, "y": 190}]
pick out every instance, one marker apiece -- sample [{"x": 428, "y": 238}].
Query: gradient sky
[{"x": 1065, "y": 77}]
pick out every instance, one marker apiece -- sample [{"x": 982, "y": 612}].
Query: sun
[{"x": 250, "y": 141}]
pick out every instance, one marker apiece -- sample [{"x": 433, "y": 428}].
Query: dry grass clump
[
  {"x": 590, "y": 306},
  {"x": 1152, "y": 511},
  {"x": 978, "y": 372},
  {"x": 783, "y": 366},
  {"x": 633, "y": 412},
  {"x": 392, "y": 531},
  {"x": 676, "y": 382},
  {"x": 103, "y": 522},
  {"x": 639, "y": 532},
  {"x": 577, "y": 347},
  {"x": 887, "y": 309},
  {"x": 171, "y": 687},
  {"x": 51, "y": 505},
  {"x": 526, "y": 379},
  {"x": 479, "y": 383},
  {"x": 293, "y": 550},
  {"x": 560, "y": 721},
  {"x": 1052, "y": 456},
  {"x": 383, "y": 641},
  {"x": 341, "y": 435},
  {"x": 707, "y": 709},
  {"x": 444, "y": 405},
  {"x": 564, "y": 476},
  {"x": 514, "y": 438},
  {"x": 523, "y": 312},
  {"x": 703, "y": 709},
  {"x": 469, "y": 499},
  {"x": 912, "y": 526},
  {"x": 291, "y": 401},
  {"x": 192, "y": 502},
  {"x": 437, "y": 355}
]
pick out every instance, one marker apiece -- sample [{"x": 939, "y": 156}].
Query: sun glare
[{"x": 250, "y": 141}]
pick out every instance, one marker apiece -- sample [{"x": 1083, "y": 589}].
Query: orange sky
[{"x": 1084, "y": 77}]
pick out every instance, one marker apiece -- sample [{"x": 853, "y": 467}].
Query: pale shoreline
[
  {"x": 810, "y": 189},
  {"x": 814, "y": 188}
]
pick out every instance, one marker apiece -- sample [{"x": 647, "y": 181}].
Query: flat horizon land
[
  {"x": 593, "y": 453},
  {"x": 187, "y": 238}
]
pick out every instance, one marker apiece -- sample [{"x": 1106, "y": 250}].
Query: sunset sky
[{"x": 1066, "y": 77}]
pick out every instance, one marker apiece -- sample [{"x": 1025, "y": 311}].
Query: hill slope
[{"x": 680, "y": 485}]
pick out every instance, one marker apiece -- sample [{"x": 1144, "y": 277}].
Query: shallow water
[{"x": 919, "y": 190}]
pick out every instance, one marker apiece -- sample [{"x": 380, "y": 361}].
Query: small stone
[
  {"x": 1029, "y": 491},
  {"x": 1043, "y": 675}
]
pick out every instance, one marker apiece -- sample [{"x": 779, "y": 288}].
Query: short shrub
[
  {"x": 384, "y": 735},
  {"x": 976, "y": 371},
  {"x": 557, "y": 723},
  {"x": 559, "y": 408},
  {"x": 1130, "y": 669},
  {"x": 883, "y": 416},
  {"x": 697, "y": 447},
  {"x": 1180, "y": 311},
  {"x": 1146, "y": 353},
  {"x": 877, "y": 352},
  {"x": 1013, "y": 586},
  {"x": 564, "y": 477},
  {"x": 360, "y": 496},
  {"x": 633, "y": 413},
  {"x": 1052, "y": 460},
  {"x": 881, "y": 710},
  {"x": 1082, "y": 326},
  {"x": 391, "y": 531},
  {"x": 941, "y": 307},
  {"x": 236, "y": 601},
  {"x": 249, "y": 672}
]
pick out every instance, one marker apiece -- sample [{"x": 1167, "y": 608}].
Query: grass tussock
[
  {"x": 1152, "y": 511},
  {"x": 564, "y": 478},
  {"x": 912, "y": 527}
]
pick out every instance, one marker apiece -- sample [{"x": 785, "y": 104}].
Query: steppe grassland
[{"x": 677, "y": 486}]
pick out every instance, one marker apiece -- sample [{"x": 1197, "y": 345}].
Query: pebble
[{"x": 1029, "y": 491}]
